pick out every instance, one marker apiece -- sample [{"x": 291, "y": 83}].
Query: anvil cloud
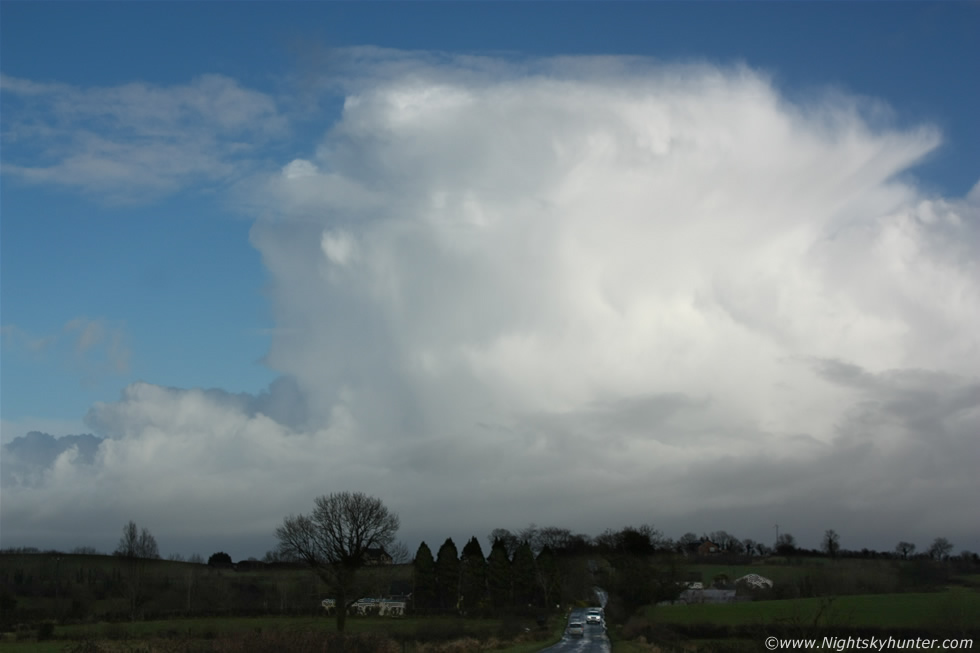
[{"x": 582, "y": 292}]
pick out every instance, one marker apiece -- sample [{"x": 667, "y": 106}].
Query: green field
[
  {"x": 819, "y": 577},
  {"x": 170, "y": 634},
  {"x": 204, "y": 628},
  {"x": 32, "y": 647},
  {"x": 954, "y": 608}
]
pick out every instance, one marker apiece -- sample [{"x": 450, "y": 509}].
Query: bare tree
[
  {"x": 137, "y": 544},
  {"x": 555, "y": 538},
  {"x": 687, "y": 542},
  {"x": 785, "y": 544},
  {"x": 940, "y": 549},
  {"x": 532, "y": 535},
  {"x": 831, "y": 543},
  {"x": 399, "y": 553},
  {"x": 508, "y": 539},
  {"x": 905, "y": 549},
  {"x": 136, "y": 547},
  {"x": 333, "y": 538},
  {"x": 723, "y": 539}
]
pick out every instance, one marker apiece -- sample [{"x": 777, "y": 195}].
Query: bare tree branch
[{"x": 334, "y": 538}]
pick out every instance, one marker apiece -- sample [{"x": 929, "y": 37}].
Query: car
[
  {"x": 593, "y": 616},
  {"x": 576, "y": 629}
]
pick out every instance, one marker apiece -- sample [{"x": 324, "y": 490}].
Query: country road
[{"x": 594, "y": 640}]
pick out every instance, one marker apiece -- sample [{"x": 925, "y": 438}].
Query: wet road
[{"x": 594, "y": 641}]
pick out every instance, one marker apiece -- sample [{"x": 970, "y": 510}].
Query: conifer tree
[
  {"x": 447, "y": 575},
  {"x": 473, "y": 577},
  {"x": 424, "y": 579},
  {"x": 499, "y": 576},
  {"x": 525, "y": 576},
  {"x": 549, "y": 577}
]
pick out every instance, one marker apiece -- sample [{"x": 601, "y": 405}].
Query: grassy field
[
  {"x": 95, "y": 588},
  {"x": 216, "y": 626},
  {"x": 83, "y": 599},
  {"x": 143, "y": 635},
  {"x": 814, "y": 576},
  {"x": 951, "y": 609},
  {"x": 32, "y": 647}
]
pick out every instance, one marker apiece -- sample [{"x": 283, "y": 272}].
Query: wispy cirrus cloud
[
  {"x": 127, "y": 141},
  {"x": 89, "y": 348}
]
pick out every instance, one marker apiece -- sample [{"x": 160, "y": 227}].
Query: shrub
[
  {"x": 45, "y": 630},
  {"x": 510, "y": 628},
  {"x": 219, "y": 559}
]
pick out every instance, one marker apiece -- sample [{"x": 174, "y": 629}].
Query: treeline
[
  {"x": 635, "y": 540},
  {"x": 647, "y": 540},
  {"x": 541, "y": 568},
  {"x": 81, "y": 588},
  {"x": 538, "y": 570},
  {"x": 472, "y": 584}
]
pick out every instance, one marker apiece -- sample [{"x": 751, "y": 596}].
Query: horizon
[{"x": 485, "y": 544}]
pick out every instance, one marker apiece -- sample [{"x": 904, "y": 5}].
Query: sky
[{"x": 701, "y": 266}]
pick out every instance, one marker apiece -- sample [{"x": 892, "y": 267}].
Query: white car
[
  {"x": 576, "y": 629},
  {"x": 593, "y": 617}
]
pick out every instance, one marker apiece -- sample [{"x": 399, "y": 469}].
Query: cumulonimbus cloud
[{"x": 509, "y": 293}]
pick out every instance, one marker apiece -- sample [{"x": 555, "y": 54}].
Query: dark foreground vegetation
[
  {"x": 83, "y": 604},
  {"x": 659, "y": 595},
  {"x": 246, "y": 634},
  {"x": 815, "y": 598}
]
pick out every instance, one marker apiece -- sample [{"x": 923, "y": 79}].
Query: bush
[
  {"x": 641, "y": 628},
  {"x": 45, "y": 630},
  {"x": 219, "y": 559},
  {"x": 510, "y": 628}
]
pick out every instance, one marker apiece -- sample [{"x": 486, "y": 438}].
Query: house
[
  {"x": 376, "y": 556},
  {"x": 707, "y": 547}
]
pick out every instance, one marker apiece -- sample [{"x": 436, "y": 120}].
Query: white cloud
[
  {"x": 590, "y": 293},
  {"x": 11, "y": 429},
  {"x": 339, "y": 247},
  {"x": 299, "y": 168}
]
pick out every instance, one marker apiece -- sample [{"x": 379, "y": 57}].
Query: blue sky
[{"x": 189, "y": 189}]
